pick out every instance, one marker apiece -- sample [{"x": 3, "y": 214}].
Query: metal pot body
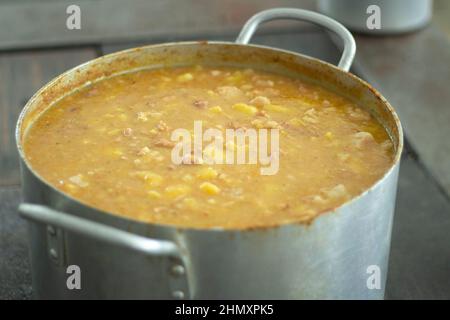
[{"x": 342, "y": 254}]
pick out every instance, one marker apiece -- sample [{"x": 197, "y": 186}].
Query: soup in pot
[{"x": 152, "y": 145}]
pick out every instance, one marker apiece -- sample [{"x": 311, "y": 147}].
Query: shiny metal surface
[
  {"x": 326, "y": 259},
  {"x": 298, "y": 14}
]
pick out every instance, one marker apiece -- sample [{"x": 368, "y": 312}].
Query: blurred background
[{"x": 409, "y": 66}]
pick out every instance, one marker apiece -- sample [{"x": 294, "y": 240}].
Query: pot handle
[
  {"x": 114, "y": 236},
  {"x": 298, "y": 14}
]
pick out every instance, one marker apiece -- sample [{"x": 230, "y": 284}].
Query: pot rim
[{"x": 23, "y": 113}]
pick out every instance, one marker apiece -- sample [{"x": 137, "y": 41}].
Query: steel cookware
[{"x": 339, "y": 255}]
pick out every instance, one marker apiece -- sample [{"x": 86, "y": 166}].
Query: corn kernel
[
  {"x": 245, "y": 108},
  {"x": 209, "y": 188},
  {"x": 276, "y": 108},
  {"x": 177, "y": 190},
  {"x": 185, "y": 77},
  {"x": 149, "y": 177},
  {"x": 116, "y": 152},
  {"x": 329, "y": 135},
  {"x": 71, "y": 187},
  {"x": 207, "y": 173},
  {"x": 154, "y": 194},
  {"x": 216, "y": 109}
]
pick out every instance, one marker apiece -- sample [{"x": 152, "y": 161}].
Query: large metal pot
[{"x": 123, "y": 258}]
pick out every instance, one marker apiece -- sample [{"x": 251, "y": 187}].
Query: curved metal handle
[
  {"x": 114, "y": 236},
  {"x": 298, "y": 14}
]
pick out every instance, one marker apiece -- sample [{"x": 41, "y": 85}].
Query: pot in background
[{"x": 397, "y": 16}]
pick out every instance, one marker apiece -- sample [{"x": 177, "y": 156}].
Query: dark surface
[
  {"x": 420, "y": 254},
  {"x": 15, "y": 278},
  {"x": 419, "y": 266}
]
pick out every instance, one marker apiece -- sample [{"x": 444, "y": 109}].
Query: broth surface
[{"x": 109, "y": 145}]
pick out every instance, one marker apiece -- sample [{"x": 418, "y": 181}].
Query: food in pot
[{"x": 110, "y": 145}]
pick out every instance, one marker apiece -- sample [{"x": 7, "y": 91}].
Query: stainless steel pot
[{"x": 123, "y": 258}]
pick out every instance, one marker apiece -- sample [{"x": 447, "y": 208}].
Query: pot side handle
[
  {"x": 298, "y": 14},
  {"x": 114, "y": 236}
]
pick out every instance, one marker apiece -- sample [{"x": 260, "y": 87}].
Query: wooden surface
[
  {"x": 110, "y": 21},
  {"x": 21, "y": 75}
]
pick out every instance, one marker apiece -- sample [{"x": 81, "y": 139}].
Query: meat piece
[
  {"x": 229, "y": 91},
  {"x": 336, "y": 192},
  {"x": 142, "y": 116},
  {"x": 262, "y": 113},
  {"x": 164, "y": 143},
  {"x": 235, "y": 125},
  {"x": 310, "y": 116},
  {"x": 326, "y": 103},
  {"x": 127, "y": 132},
  {"x": 201, "y": 104},
  {"x": 362, "y": 138},
  {"x": 386, "y": 145},
  {"x": 357, "y": 113},
  {"x": 260, "y": 101},
  {"x": 266, "y": 124},
  {"x": 162, "y": 126},
  {"x": 318, "y": 199},
  {"x": 79, "y": 180},
  {"x": 144, "y": 151},
  {"x": 191, "y": 159}
]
